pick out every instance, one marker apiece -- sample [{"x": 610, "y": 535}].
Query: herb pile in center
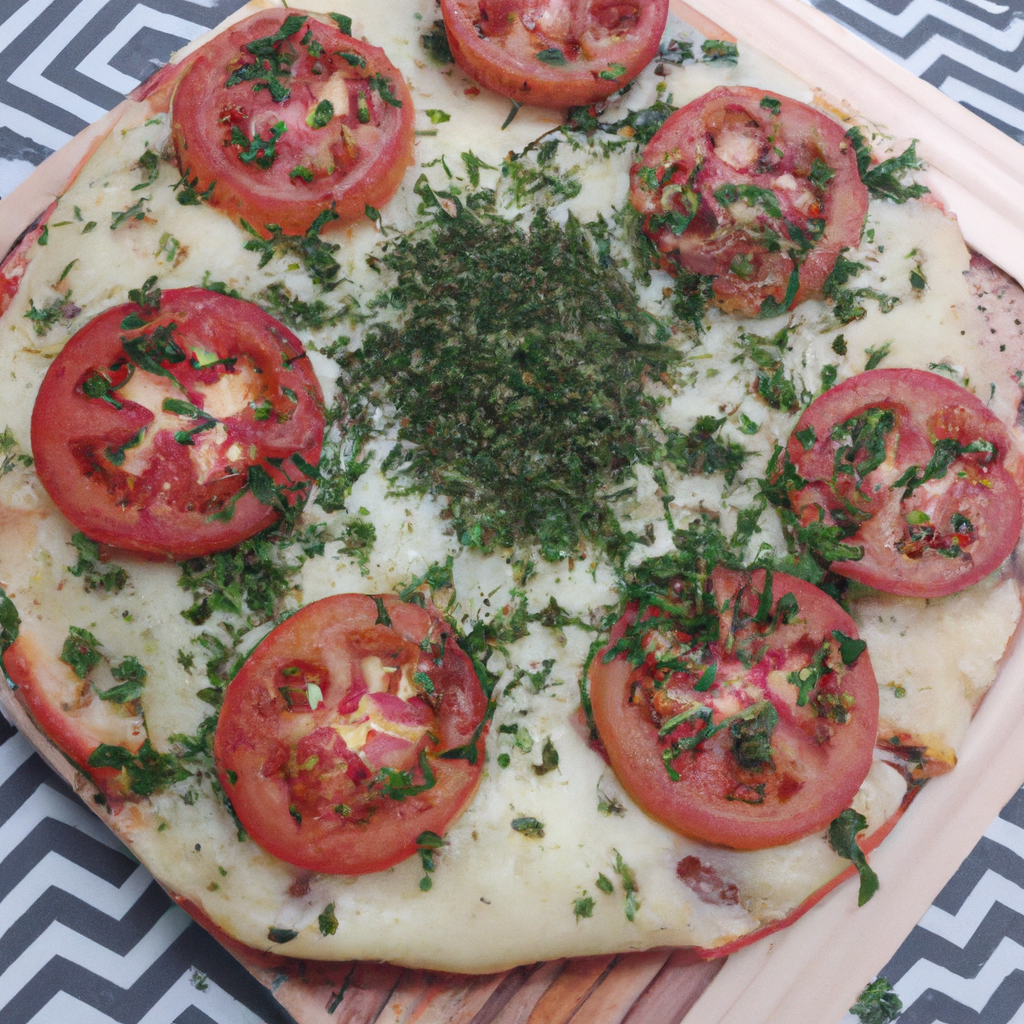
[{"x": 516, "y": 366}]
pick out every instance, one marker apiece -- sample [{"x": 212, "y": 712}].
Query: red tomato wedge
[
  {"x": 175, "y": 430},
  {"x": 758, "y": 191},
  {"x": 751, "y": 717},
  {"x": 357, "y": 725},
  {"x": 917, "y": 472},
  {"x": 283, "y": 115},
  {"x": 554, "y": 53}
]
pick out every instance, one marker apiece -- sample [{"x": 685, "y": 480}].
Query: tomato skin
[
  {"x": 161, "y": 504},
  {"x": 732, "y": 138},
  {"x": 70, "y": 713},
  {"x": 871, "y": 842},
  {"x": 901, "y": 557},
  {"x": 287, "y": 767},
  {"x": 491, "y": 42},
  {"x": 352, "y": 164},
  {"x": 819, "y": 761}
]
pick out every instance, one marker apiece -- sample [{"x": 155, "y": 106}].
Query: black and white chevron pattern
[
  {"x": 86, "y": 935},
  {"x": 964, "y": 962},
  {"x": 64, "y": 63},
  {"x": 973, "y": 50}
]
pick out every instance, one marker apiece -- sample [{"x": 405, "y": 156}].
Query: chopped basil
[
  {"x": 549, "y": 759},
  {"x": 94, "y": 574},
  {"x": 273, "y": 62},
  {"x": 134, "y": 212},
  {"x": 842, "y": 837},
  {"x": 529, "y": 827},
  {"x": 877, "y": 1004},
  {"x": 845, "y": 301},
  {"x": 614, "y": 72},
  {"x": 435, "y": 42},
  {"x": 629, "y": 886},
  {"x": 437, "y": 116},
  {"x": 10, "y": 621},
  {"x": 752, "y": 738},
  {"x": 850, "y": 648},
  {"x": 494, "y": 425},
  {"x": 886, "y": 179},
  {"x": 383, "y": 85},
  {"x": 752, "y": 195},
  {"x": 149, "y": 163},
  {"x": 43, "y": 319},
  {"x": 946, "y": 451},
  {"x": 719, "y": 50},
  {"x": 149, "y": 352},
  {"x": 397, "y": 785},
  {"x": 80, "y": 651},
  {"x": 327, "y": 920},
  {"x": 876, "y": 355},
  {"x": 583, "y": 907},
  {"x": 320, "y": 116},
  {"x": 552, "y": 56},
  {"x": 427, "y": 843},
  {"x": 147, "y": 770},
  {"x": 703, "y": 450},
  {"x": 131, "y": 678},
  {"x": 261, "y": 151},
  {"x": 189, "y": 194},
  {"x": 316, "y": 255},
  {"x": 344, "y": 23},
  {"x": 807, "y": 678},
  {"x": 821, "y": 174},
  {"x": 281, "y": 935}
]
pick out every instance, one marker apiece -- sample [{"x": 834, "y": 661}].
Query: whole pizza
[{"x": 506, "y": 481}]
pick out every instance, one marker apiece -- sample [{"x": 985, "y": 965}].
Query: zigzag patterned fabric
[
  {"x": 85, "y": 934},
  {"x": 973, "y": 50}
]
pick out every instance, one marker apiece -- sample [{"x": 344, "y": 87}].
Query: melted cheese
[{"x": 499, "y": 897}]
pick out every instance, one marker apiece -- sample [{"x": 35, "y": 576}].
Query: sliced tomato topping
[
  {"x": 283, "y": 115},
  {"x": 916, "y": 472},
  {"x": 181, "y": 429},
  {"x": 65, "y": 705},
  {"x": 758, "y": 191},
  {"x": 357, "y": 725},
  {"x": 745, "y": 716},
  {"x": 554, "y": 53}
]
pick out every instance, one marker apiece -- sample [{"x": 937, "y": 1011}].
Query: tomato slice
[
  {"x": 175, "y": 430},
  {"x": 284, "y": 116},
  {"x": 357, "y": 725},
  {"x": 758, "y": 191},
  {"x": 751, "y": 717},
  {"x": 554, "y": 53},
  {"x": 70, "y": 712},
  {"x": 917, "y": 472}
]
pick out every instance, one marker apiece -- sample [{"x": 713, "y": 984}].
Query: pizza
[{"x": 453, "y": 529}]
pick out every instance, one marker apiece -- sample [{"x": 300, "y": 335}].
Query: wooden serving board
[{"x": 978, "y": 173}]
